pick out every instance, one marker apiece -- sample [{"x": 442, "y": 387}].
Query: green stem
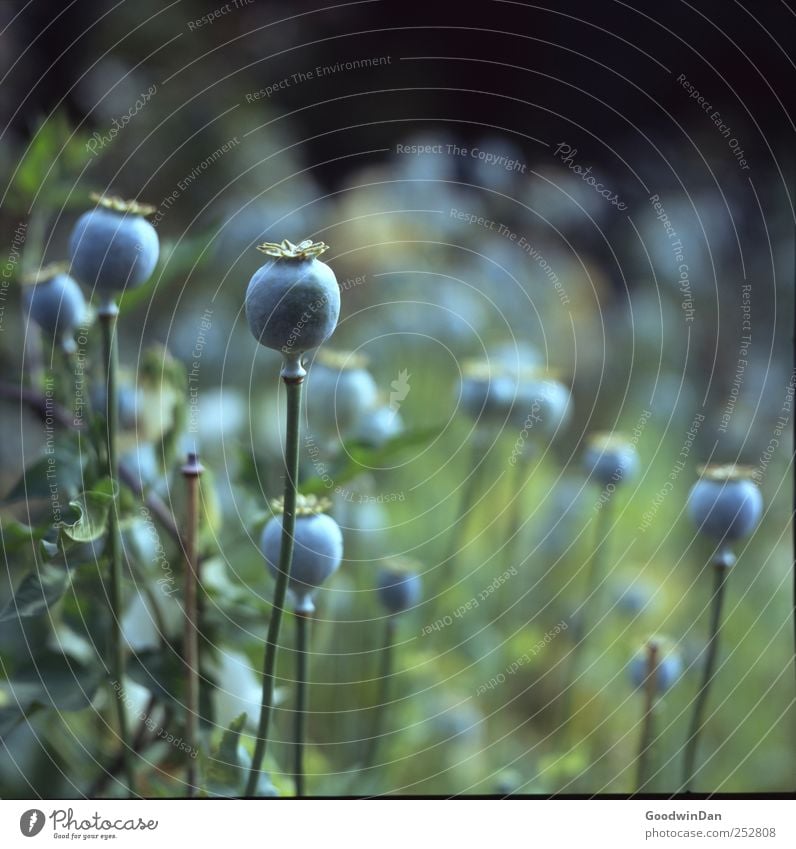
[
  {"x": 471, "y": 488},
  {"x": 720, "y": 576},
  {"x": 302, "y": 686},
  {"x": 293, "y": 387},
  {"x": 108, "y": 314},
  {"x": 383, "y": 695},
  {"x": 645, "y": 752},
  {"x": 191, "y": 472},
  {"x": 594, "y": 581},
  {"x": 519, "y": 481}
]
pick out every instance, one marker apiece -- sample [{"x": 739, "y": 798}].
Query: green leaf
[
  {"x": 227, "y": 767},
  {"x": 37, "y": 592},
  {"x": 93, "y": 508},
  {"x": 47, "y": 169},
  {"x": 358, "y": 457},
  {"x": 22, "y": 544},
  {"x": 51, "y": 681},
  {"x": 56, "y": 476}
]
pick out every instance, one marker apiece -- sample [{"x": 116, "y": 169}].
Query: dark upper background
[{"x": 574, "y": 53}]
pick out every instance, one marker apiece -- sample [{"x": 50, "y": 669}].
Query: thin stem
[
  {"x": 383, "y": 695},
  {"x": 720, "y": 578},
  {"x": 518, "y": 485},
  {"x": 471, "y": 487},
  {"x": 117, "y": 764},
  {"x": 302, "y": 687},
  {"x": 191, "y": 472},
  {"x": 594, "y": 580},
  {"x": 293, "y": 387},
  {"x": 107, "y": 315},
  {"x": 644, "y": 759},
  {"x": 522, "y": 471}
]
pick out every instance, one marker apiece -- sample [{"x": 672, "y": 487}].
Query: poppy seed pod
[
  {"x": 487, "y": 391},
  {"x": 610, "y": 458},
  {"x": 317, "y": 551},
  {"x": 113, "y": 247},
  {"x": 543, "y": 405},
  {"x": 340, "y": 390},
  {"x": 56, "y": 303},
  {"x": 378, "y": 425},
  {"x": 668, "y": 669},
  {"x": 398, "y": 588},
  {"x": 293, "y": 301},
  {"x": 725, "y": 503}
]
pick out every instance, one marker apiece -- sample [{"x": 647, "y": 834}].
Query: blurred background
[{"x": 602, "y": 192}]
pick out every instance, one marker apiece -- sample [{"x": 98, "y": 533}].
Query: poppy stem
[
  {"x": 302, "y": 688},
  {"x": 108, "y": 314},
  {"x": 293, "y": 383},
  {"x": 383, "y": 693},
  {"x": 191, "y": 472},
  {"x": 594, "y": 580},
  {"x": 720, "y": 571},
  {"x": 645, "y": 752}
]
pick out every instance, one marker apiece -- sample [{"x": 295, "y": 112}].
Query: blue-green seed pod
[
  {"x": 317, "y": 551},
  {"x": 340, "y": 390},
  {"x": 293, "y": 301},
  {"x": 610, "y": 458},
  {"x": 725, "y": 503},
  {"x": 378, "y": 425},
  {"x": 113, "y": 247},
  {"x": 668, "y": 669},
  {"x": 399, "y": 588},
  {"x": 56, "y": 303}
]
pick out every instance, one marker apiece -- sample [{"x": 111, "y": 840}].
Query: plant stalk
[
  {"x": 645, "y": 752},
  {"x": 293, "y": 386},
  {"x": 471, "y": 487},
  {"x": 720, "y": 570},
  {"x": 191, "y": 471},
  {"x": 108, "y": 314},
  {"x": 383, "y": 694},
  {"x": 594, "y": 580},
  {"x": 302, "y": 687}
]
